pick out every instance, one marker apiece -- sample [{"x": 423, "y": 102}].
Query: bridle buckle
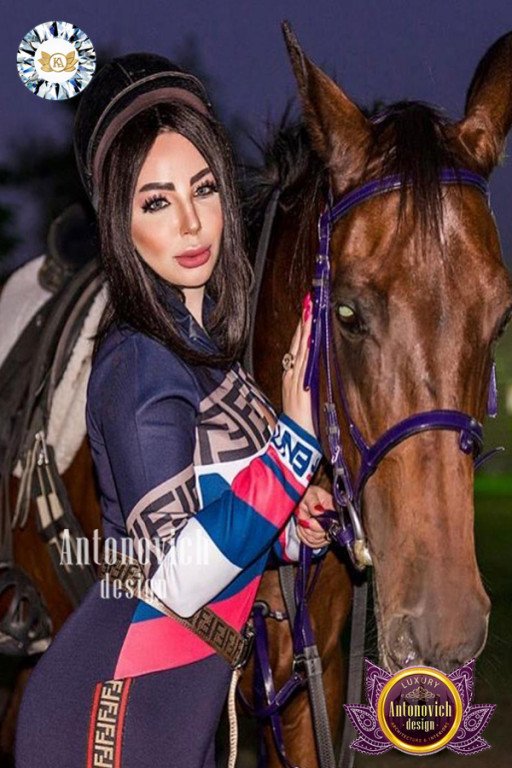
[{"x": 248, "y": 634}]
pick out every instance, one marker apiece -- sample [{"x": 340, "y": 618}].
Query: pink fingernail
[{"x": 306, "y": 306}]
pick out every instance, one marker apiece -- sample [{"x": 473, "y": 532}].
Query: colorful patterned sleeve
[{"x": 147, "y": 423}]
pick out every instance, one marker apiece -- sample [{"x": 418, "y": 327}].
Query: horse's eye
[
  {"x": 350, "y": 321},
  {"x": 346, "y": 314}
]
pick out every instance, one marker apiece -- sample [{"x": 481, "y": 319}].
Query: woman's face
[{"x": 176, "y": 215}]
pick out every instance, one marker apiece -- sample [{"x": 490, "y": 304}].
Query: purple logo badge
[{"x": 419, "y": 710}]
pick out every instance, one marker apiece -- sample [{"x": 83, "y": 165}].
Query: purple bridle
[{"x": 348, "y": 530}]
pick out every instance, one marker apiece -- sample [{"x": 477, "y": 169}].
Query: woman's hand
[
  {"x": 297, "y": 400},
  {"x": 315, "y": 501}
]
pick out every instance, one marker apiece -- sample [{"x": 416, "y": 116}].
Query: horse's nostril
[
  {"x": 411, "y": 640},
  {"x": 401, "y": 641}
]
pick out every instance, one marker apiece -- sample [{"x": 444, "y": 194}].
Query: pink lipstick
[{"x": 193, "y": 258}]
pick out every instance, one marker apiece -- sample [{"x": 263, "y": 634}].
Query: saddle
[{"x": 28, "y": 378}]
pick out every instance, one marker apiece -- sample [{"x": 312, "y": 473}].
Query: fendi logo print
[
  {"x": 160, "y": 514},
  {"x": 294, "y": 452},
  {"x": 106, "y": 723},
  {"x": 253, "y": 387},
  {"x": 230, "y": 427}
]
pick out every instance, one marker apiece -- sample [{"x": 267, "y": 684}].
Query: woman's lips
[{"x": 194, "y": 258}]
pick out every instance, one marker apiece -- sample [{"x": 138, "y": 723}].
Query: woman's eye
[
  {"x": 207, "y": 188},
  {"x": 158, "y": 202},
  {"x": 151, "y": 203}
]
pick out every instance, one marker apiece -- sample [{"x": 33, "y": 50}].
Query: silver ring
[{"x": 288, "y": 361}]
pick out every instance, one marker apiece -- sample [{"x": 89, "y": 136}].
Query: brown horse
[
  {"x": 420, "y": 295},
  {"x": 424, "y": 295}
]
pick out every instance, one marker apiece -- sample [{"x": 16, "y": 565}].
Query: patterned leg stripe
[{"x": 106, "y": 723}]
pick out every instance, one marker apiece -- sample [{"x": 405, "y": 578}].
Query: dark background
[{"x": 378, "y": 49}]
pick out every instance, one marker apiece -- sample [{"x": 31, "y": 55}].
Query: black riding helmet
[{"x": 120, "y": 90}]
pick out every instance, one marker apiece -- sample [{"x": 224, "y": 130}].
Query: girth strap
[{"x": 57, "y": 525}]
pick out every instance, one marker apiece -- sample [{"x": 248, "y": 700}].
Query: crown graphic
[
  {"x": 420, "y": 693},
  {"x": 46, "y": 65}
]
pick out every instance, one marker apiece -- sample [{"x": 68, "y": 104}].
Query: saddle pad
[
  {"x": 21, "y": 297},
  {"x": 66, "y": 428}
]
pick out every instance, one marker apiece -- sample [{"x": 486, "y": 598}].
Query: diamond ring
[{"x": 288, "y": 361}]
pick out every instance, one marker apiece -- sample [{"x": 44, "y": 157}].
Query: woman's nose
[{"x": 189, "y": 220}]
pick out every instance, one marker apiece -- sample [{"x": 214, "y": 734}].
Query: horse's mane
[
  {"x": 287, "y": 158},
  {"x": 290, "y": 164},
  {"x": 409, "y": 139},
  {"x": 410, "y": 136}
]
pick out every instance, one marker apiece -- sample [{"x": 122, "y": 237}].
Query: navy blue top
[{"x": 196, "y": 471}]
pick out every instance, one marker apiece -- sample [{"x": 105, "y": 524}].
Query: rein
[{"x": 348, "y": 488}]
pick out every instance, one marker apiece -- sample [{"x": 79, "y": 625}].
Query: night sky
[{"x": 377, "y": 49}]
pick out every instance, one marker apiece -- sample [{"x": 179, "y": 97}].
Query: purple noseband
[{"x": 347, "y": 490}]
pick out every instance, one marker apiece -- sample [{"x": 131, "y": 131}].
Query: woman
[{"x": 196, "y": 471}]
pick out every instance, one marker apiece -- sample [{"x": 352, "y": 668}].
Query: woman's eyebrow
[{"x": 169, "y": 185}]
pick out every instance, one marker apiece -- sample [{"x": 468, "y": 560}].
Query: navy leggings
[{"x": 73, "y": 715}]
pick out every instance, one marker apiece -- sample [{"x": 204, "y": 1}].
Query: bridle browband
[{"x": 346, "y": 527}]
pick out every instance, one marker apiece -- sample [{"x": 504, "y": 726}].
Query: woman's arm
[{"x": 147, "y": 422}]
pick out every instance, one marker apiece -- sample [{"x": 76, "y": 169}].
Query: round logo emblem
[
  {"x": 56, "y": 60},
  {"x": 419, "y": 710}
]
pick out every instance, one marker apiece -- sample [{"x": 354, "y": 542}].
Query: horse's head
[{"x": 419, "y": 297}]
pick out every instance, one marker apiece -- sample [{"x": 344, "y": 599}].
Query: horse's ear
[
  {"x": 339, "y": 131},
  {"x": 488, "y": 113}
]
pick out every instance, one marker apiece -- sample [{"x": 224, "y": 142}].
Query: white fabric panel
[{"x": 179, "y": 580}]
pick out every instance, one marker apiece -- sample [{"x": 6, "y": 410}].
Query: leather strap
[
  {"x": 233, "y": 646},
  {"x": 259, "y": 266},
  {"x": 57, "y": 525},
  {"x": 305, "y": 653},
  {"x": 287, "y": 584},
  {"x": 355, "y": 668},
  {"x": 321, "y": 727}
]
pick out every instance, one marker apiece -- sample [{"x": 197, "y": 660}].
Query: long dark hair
[{"x": 135, "y": 289}]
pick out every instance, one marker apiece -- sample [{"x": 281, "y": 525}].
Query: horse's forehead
[
  {"x": 369, "y": 251},
  {"x": 420, "y": 288}
]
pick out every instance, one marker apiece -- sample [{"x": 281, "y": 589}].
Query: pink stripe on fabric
[
  {"x": 267, "y": 496},
  {"x": 157, "y": 644},
  {"x": 236, "y": 609},
  {"x": 283, "y": 540}
]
